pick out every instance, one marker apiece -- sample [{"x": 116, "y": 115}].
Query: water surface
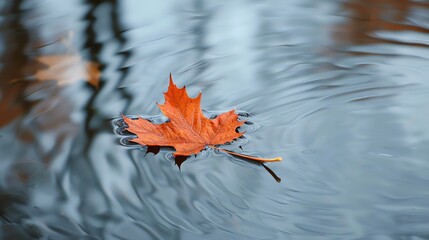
[{"x": 339, "y": 89}]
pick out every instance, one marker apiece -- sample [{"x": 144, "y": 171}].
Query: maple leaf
[{"x": 188, "y": 130}]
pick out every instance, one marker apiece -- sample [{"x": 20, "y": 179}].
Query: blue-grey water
[{"x": 338, "y": 88}]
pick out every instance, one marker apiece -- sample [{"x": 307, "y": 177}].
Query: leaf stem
[
  {"x": 258, "y": 159},
  {"x": 273, "y": 174}
]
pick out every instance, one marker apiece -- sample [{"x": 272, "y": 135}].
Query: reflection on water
[{"x": 337, "y": 88}]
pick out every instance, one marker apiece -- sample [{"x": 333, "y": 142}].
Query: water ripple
[{"x": 337, "y": 88}]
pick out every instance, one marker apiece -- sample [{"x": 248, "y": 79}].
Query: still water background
[{"x": 339, "y": 89}]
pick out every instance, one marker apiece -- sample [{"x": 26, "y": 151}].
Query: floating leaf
[{"x": 188, "y": 130}]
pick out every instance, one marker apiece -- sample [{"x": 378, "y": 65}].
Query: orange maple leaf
[{"x": 188, "y": 130}]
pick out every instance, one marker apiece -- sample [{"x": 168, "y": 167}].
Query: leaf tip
[
  {"x": 124, "y": 117},
  {"x": 199, "y": 96},
  {"x": 171, "y": 80}
]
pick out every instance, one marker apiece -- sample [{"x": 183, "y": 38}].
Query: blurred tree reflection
[
  {"x": 13, "y": 104},
  {"x": 14, "y": 35},
  {"x": 368, "y": 17}
]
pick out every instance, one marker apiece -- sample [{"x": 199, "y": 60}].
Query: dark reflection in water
[{"x": 337, "y": 88}]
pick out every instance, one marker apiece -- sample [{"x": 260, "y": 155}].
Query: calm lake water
[{"x": 338, "y": 89}]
